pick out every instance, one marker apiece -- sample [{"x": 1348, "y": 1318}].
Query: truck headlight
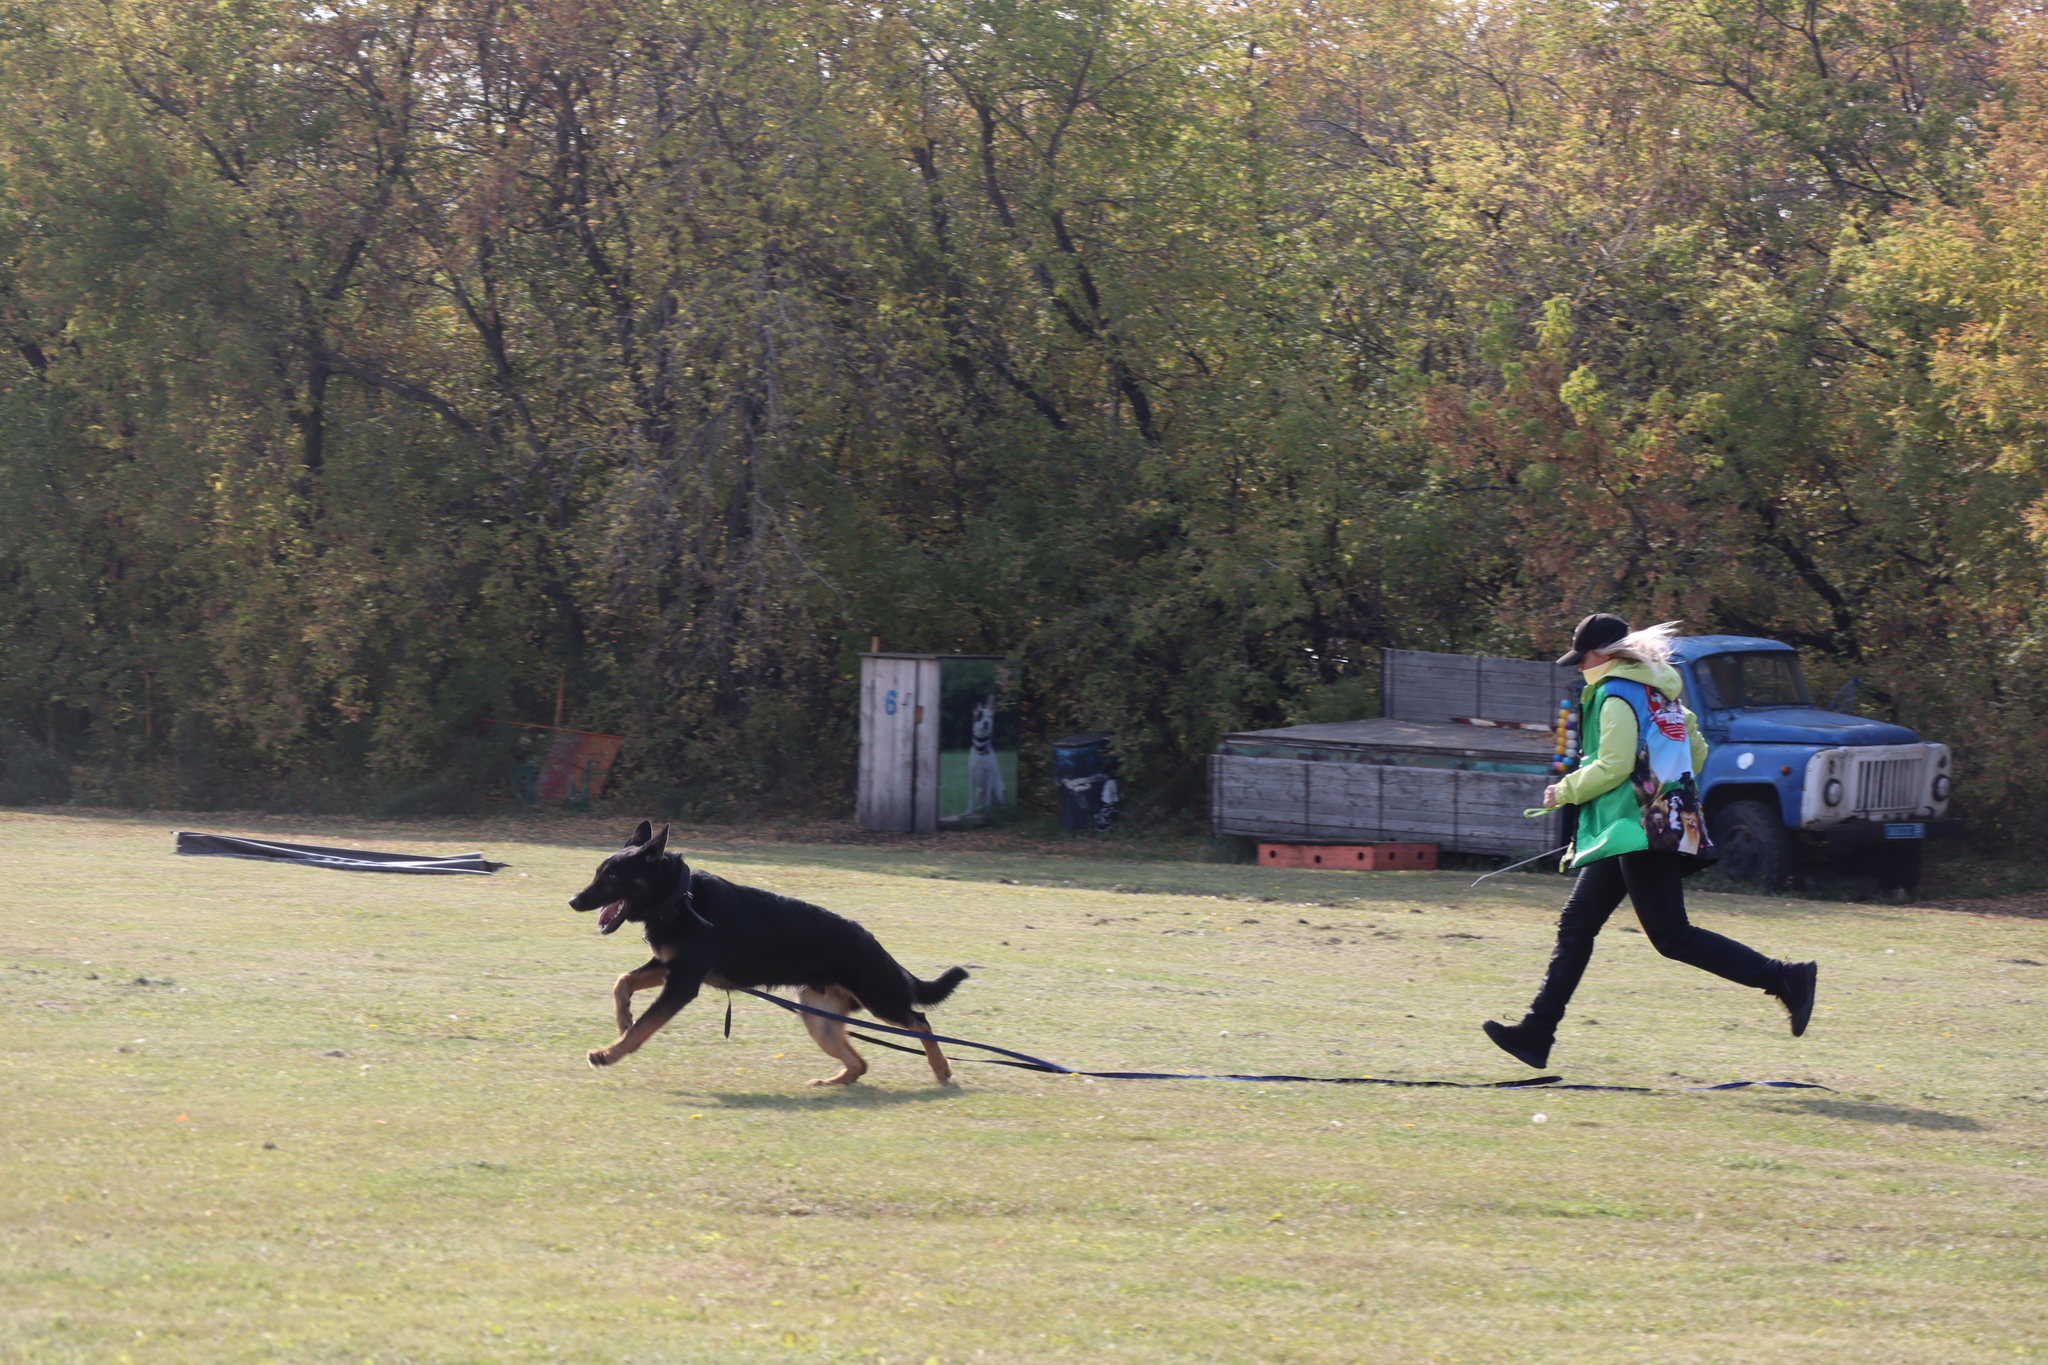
[
  {"x": 1832, "y": 792},
  {"x": 1941, "y": 786}
]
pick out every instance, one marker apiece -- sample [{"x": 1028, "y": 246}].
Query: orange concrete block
[{"x": 1351, "y": 857}]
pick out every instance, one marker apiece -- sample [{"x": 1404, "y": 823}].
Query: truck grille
[{"x": 1888, "y": 784}]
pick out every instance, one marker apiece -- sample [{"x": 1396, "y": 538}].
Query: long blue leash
[{"x": 1024, "y": 1061}]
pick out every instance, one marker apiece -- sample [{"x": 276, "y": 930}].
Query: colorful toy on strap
[{"x": 1566, "y": 747}]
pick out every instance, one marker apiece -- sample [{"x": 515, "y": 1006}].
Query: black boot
[
  {"x": 1527, "y": 1042},
  {"x": 1795, "y": 992}
]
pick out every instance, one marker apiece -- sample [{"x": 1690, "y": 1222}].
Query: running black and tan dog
[{"x": 706, "y": 931}]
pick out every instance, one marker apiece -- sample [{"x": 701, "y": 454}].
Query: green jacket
[{"x": 1610, "y": 817}]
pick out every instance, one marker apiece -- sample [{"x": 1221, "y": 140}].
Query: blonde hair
[{"x": 1650, "y": 645}]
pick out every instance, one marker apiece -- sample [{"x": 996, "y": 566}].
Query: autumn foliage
[{"x": 373, "y": 369}]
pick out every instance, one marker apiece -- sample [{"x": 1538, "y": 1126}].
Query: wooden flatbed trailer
[{"x": 1431, "y": 770}]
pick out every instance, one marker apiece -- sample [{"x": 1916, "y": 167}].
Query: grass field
[{"x": 261, "y": 1113}]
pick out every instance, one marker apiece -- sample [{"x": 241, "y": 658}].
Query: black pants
[{"x": 1652, "y": 881}]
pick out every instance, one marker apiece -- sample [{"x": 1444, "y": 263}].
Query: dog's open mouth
[{"x": 611, "y": 916}]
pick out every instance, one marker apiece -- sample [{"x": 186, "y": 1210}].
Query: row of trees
[{"x": 379, "y": 366}]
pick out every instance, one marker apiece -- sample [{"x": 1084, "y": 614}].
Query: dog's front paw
[{"x": 597, "y": 1056}]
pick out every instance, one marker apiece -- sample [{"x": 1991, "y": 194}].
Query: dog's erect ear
[
  {"x": 640, "y": 835},
  {"x": 652, "y": 849}
]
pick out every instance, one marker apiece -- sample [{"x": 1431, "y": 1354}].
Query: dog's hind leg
[
  {"x": 890, "y": 994},
  {"x": 639, "y": 979},
  {"x": 830, "y": 1034},
  {"x": 941, "y": 1068}
]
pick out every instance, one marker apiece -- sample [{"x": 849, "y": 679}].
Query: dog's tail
[{"x": 932, "y": 992}]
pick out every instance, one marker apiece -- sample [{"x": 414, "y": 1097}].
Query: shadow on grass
[
  {"x": 1883, "y": 1113},
  {"x": 831, "y": 1097}
]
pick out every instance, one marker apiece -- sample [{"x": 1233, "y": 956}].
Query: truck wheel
[
  {"x": 1755, "y": 845},
  {"x": 1898, "y": 865}
]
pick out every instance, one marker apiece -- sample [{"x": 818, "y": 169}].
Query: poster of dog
[{"x": 977, "y": 740}]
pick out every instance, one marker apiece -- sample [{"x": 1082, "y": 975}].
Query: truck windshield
[{"x": 1772, "y": 679}]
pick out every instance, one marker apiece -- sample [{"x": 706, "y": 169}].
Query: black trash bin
[{"x": 1084, "y": 773}]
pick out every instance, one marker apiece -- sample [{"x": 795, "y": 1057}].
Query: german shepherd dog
[{"x": 706, "y": 931}]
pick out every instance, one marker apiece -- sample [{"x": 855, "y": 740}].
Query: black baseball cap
[{"x": 1595, "y": 632}]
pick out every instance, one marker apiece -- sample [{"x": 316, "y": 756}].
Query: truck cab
[{"x": 1782, "y": 773}]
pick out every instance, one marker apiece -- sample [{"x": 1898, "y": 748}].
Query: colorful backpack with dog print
[{"x": 1666, "y": 788}]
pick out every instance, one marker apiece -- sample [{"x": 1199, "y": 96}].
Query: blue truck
[
  {"x": 1464, "y": 745},
  {"x": 1782, "y": 772}
]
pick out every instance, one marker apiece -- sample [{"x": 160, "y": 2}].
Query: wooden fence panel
[
  {"x": 1415, "y": 685},
  {"x": 888, "y": 734},
  {"x": 1490, "y": 818},
  {"x": 1520, "y": 689},
  {"x": 924, "y": 746},
  {"x": 1261, "y": 797},
  {"x": 1293, "y": 801},
  {"x": 1344, "y": 802},
  {"x": 1418, "y": 805}
]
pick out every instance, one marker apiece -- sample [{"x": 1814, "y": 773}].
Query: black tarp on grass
[{"x": 340, "y": 859}]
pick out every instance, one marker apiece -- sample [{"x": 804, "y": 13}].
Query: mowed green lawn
[{"x": 262, "y": 1113}]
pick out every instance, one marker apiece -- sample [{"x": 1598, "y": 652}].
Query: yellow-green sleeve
[{"x": 1616, "y": 759}]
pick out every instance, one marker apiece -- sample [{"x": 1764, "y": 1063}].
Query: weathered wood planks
[
  {"x": 1370, "y": 739},
  {"x": 1413, "y": 775},
  {"x": 1417, "y": 685},
  {"x": 1290, "y": 801},
  {"x": 899, "y": 743}
]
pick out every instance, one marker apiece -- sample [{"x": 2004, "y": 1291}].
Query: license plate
[{"x": 1905, "y": 831}]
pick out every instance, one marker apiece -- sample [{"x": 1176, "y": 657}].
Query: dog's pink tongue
[{"x": 609, "y": 917}]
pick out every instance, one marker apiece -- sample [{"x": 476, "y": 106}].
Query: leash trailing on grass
[
  {"x": 1552, "y": 853},
  {"x": 1024, "y": 1061}
]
